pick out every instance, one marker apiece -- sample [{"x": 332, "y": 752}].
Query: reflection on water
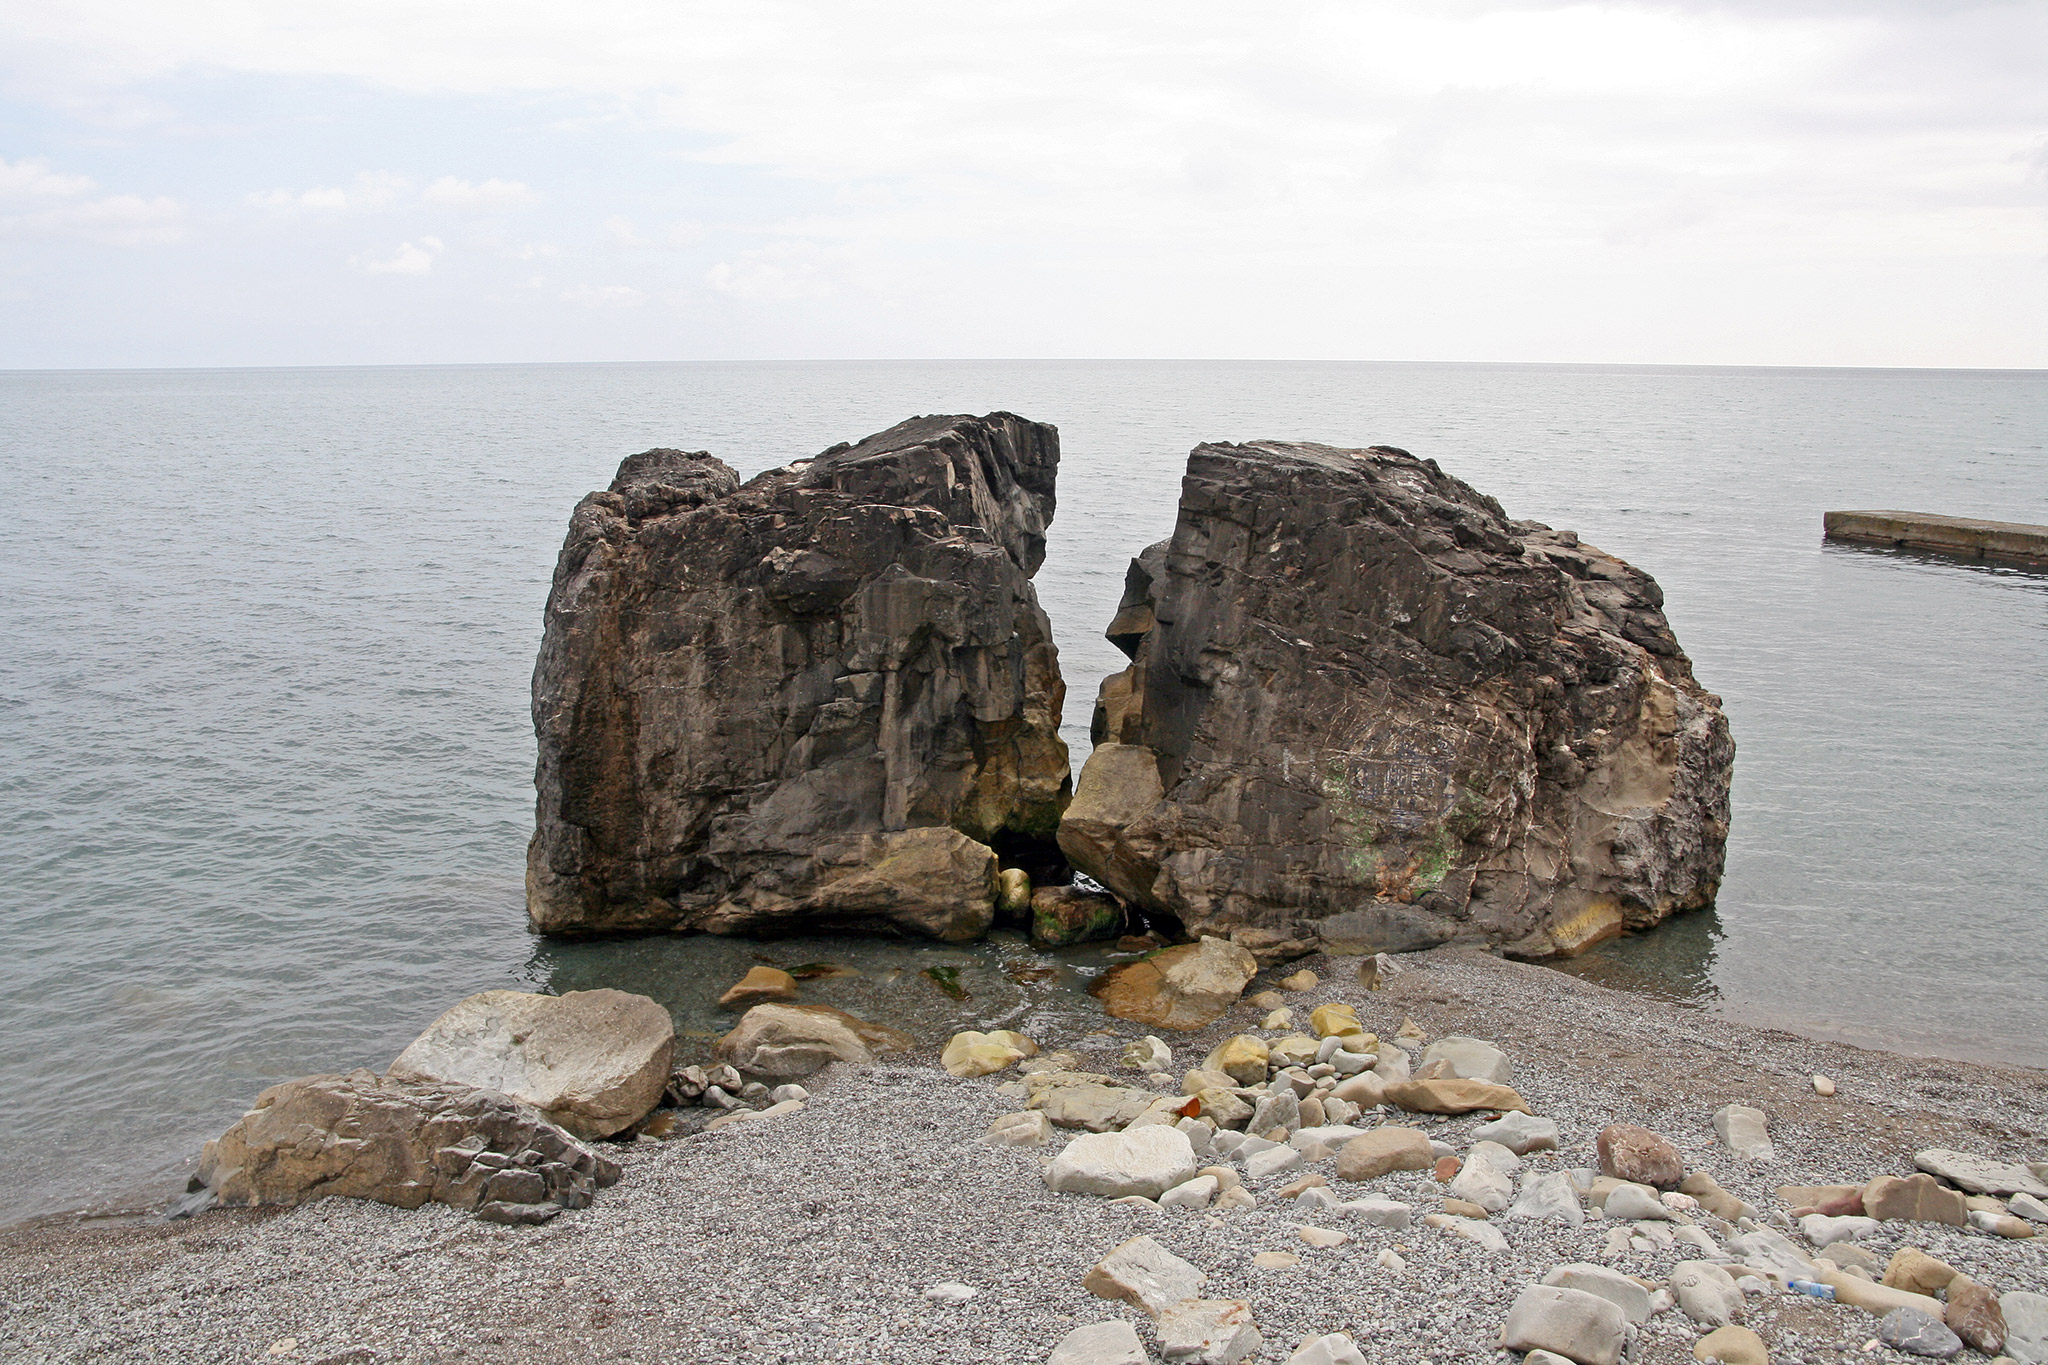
[
  {"x": 1003, "y": 981},
  {"x": 1674, "y": 961},
  {"x": 2024, "y": 571}
]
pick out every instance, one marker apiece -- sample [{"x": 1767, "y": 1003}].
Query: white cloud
[
  {"x": 1152, "y": 171},
  {"x": 409, "y": 259},
  {"x": 779, "y": 272},
  {"x": 371, "y": 191},
  {"x": 36, "y": 201},
  {"x": 604, "y": 296},
  {"x": 477, "y": 196},
  {"x": 374, "y": 191}
]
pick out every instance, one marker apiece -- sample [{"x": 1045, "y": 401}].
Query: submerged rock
[
  {"x": 593, "y": 1061},
  {"x": 1366, "y": 711},
  {"x": 1183, "y": 987},
  {"x": 362, "y": 1136},
  {"x": 790, "y": 1042},
  {"x": 825, "y": 698}
]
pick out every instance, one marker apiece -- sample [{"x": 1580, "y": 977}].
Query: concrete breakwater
[{"x": 1947, "y": 535}]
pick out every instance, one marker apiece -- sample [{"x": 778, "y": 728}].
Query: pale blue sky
[{"x": 228, "y": 182}]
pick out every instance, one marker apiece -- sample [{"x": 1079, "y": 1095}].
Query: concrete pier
[{"x": 1947, "y": 535}]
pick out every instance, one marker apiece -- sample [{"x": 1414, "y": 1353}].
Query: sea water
[{"x": 267, "y": 774}]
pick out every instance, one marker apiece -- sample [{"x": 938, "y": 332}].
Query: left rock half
[{"x": 826, "y": 698}]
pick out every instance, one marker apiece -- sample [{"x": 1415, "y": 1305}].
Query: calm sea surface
[{"x": 265, "y": 761}]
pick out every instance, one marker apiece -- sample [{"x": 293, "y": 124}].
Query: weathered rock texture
[
  {"x": 1365, "y": 711},
  {"x": 593, "y": 1061},
  {"x": 824, "y": 698},
  {"x": 362, "y": 1136}
]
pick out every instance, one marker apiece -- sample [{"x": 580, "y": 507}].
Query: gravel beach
[{"x": 813, "y": 1236}]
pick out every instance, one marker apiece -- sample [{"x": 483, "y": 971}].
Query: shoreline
[
  {"x": 813, "y": 1236},
  {"x": 150, "y": 1196}
]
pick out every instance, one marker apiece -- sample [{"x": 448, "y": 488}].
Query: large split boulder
[
  {"x": 362, "y": 1136},
  {"x": 825, "y": 698},
  {"x": 593, "y": 1061},
  {"x": 1367, "y": 712},
  {"x": 1186, "y": 986}
]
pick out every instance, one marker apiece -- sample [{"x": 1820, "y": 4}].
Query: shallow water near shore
[{"x": 268, "y": 762}]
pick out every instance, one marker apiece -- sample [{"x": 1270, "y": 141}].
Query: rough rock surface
[
  {"x": 593, "y": 1061},
  {"x": 1183, "y": 987},
  {"x": 790, "y": 1042},
  {"x": 361, "y": 1136},
  {"x": 823, "y": 698},
  {"x": 1365, "y": 711}
]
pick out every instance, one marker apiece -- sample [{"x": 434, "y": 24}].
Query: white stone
[
  {"x": 1249, "y": 1146},
  {"x": 1584, "y": 1327},
  {"x": 1346, "y": 1063},
  {"x": 1548, "y": 1196},
  {"x": 1392, "y": 1263},
  {"x": 1272, "y": 1162},
  {"x": 1519, "y": 1133},
  {"x": 1144, "y": 1273},
  {"x": 594, "y": 1062},
  {"x": 1190, "y": 1194},
  {"x": 1763, "y": 1249},
  {"x": 1382, "y": 1213},
  {"x": 1142, "y": 1161},
  {"x": 1618, "y": 1289},
  {"x": 1201, "y": 1136},
  {"x": 1546, "y": 1358},
  {"x": 1316, "y": 1197},
  {"x": 1635, "y": 1201},
  {"x": 1334, "y": 1349},
  {"x": 1980, "y": 1174},
  {"x": 788, "y": 1092},
  {"x": 1697, "y": 1238},
  {"x": 1148, "y": 1054},
  {"x": 1823, "y": 1231},
  {"x": 1281, "y": 1109},
  {"x": 1471, "y": 1229},
  {"x": 1392, "y": 1065},
  {"x": 2026, "y": 1326},
  {"x": 2027, "y": 1206},
  {"x": 1744, "y": 1131},
  {"x": 1339, "y": 1113},
  {"x": 1028, "y": 1129},
  {"x": 1209, "y": 1332},
  {"x": 1331, "y": 1135},
  {"x": 952, "y": 1291},
  {"x": 1481, "y": 1183},
  {"x": 1103, "y": 1343},
  {"x": 1472, "y": 1058},
  {"x": 1706, "y": 1293}
]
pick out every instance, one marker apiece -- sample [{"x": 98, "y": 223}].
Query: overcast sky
[{"x": 228, "y": 182}]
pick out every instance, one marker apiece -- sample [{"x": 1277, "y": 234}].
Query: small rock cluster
[{"x": 1318, "y": 1109}]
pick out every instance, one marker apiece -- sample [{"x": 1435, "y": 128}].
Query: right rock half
[{"x": 1367, "y": 712}]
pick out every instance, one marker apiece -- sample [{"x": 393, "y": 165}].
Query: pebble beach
[{"x": 815, "y": 1235}]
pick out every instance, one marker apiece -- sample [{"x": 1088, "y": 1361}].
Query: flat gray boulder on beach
[
  {"x": 1980, "y": 1174},
  {"x": 1101, "y": 1343},
  {"x": 593, "y": 1061},
  {"x": 819, "y": 698},
  {"x": 1580, "y": 1326},
  {"x": 364, "y": 1136},
  {"x": 1145, "y": 1161},
  {"x": 1366, "y": 711}
]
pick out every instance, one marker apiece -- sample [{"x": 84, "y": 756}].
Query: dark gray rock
[
  {"x": 1917, "y": 1333},
  {"x": 825, "y": 698},
  {"x": 1367, "y": 712}
]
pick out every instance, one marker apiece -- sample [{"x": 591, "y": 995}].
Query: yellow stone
[
  {"x": 1242, "y": 1058},
  {"x": 1276, "y": 1260},
  {"x": 1295, "y": 1050},
  {"x": 1303, "y": 980},
  {"x": 978, "y": 1054},
  {"x": 1335, "y": 1021}
]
